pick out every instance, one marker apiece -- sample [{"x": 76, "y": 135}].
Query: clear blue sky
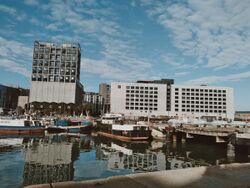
[{"x": 194, "y": 41}]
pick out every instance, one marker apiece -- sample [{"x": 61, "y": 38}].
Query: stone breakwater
[{"x": 226, "y": 176}]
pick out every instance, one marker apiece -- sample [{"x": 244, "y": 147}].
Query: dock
[
  {"x": 220, "y": 134},
  {"x": 230, "y": 176}
]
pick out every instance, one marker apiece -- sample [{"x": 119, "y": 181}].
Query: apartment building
[{"x": 56, "y": 73}]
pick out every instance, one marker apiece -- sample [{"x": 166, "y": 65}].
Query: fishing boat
[
  {"x": 112, "y": 126},
  {"x": 84, "y": 124},
  {"x": 71, "y": 126},
  {"x": 125, "y": 132},
  {"x": 111, "y": 118},
  {"x": 14, "y": 126}
]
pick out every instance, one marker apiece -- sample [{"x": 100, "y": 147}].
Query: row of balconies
[
  {"x": 55, "y": 64},
  {"x": 55, "y": 50},
  {"x": 53, "y": 78},
  {"x": 45, "y": 70},
  {"x": 55, "y": 57}
]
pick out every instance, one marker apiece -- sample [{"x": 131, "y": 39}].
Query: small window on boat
[
  {"x": 119, "y": 86},
  {"x": 26, "y": 123}
]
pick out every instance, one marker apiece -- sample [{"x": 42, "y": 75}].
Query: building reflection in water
[
  {"x": 49, "y": 159},
  {"x": 155, "y": 156},
  {"x": 134, "y": 156}
]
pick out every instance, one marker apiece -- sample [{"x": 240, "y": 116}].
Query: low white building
[{"x": 150, "y": 99}]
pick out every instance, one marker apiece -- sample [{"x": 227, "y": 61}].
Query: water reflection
[
  {"x": 56, "y": 158},
  {"x": 48, "y": 160}
]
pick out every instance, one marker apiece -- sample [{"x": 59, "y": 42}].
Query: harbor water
[{"x": 30, "y": 160}]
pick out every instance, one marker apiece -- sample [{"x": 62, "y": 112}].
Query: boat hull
[
  {"x": 21, "y": 130},
  {"x": 70, "y": 129}
]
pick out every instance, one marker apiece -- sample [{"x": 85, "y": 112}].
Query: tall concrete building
[
  {"x": 104, "y": 91},
  {"x": 149, "y": 98},
  {"x": 56, "y": 73}
]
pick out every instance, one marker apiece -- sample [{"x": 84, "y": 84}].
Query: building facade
[
  {"x": 168, "y": 83},
  {"x": 104, "y": 91},
  {"x": 95, "y": 100},
  {"x": 56, "y": 73},
  {"x": 9, "y": 97},
  {"x": 138, "y": 99},
  {"x": 202, "y": 102},
  {"x": 152, "y": 99},
  {"x": 242, "y": 116}
]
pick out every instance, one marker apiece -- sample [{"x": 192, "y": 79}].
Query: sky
[{"x": 193, "y": 42}]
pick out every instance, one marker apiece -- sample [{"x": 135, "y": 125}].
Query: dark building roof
[{"x": 162, "y": 81}]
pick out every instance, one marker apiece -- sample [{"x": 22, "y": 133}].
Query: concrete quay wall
[{"x": 223, "y": 176}]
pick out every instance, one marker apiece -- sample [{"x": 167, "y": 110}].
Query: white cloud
[
  {"x": 35, "y": 21},
  {"x": 133, "y": 3},
  {"x": 181, "y": 73},
  {"x": 13, "y": 12},
  {"x": 7, "y": 9},
  {"x": 215, "y": 32},
  {"x": 116, "y": 59},
  {"x": 218, "y": 79},
  {"x": 11, "y": 48},
  {"x": 12, "y": 66},
  {"x": 15, "y": 56},
  {"x": 54, "y": 26},
  {"x": 115, "y": 70}
]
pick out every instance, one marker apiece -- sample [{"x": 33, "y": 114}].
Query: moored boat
[
  {"x": 71, "y": 125},
  {"x": 10, "y": 126},
  {"x": 126, "y": 132}
]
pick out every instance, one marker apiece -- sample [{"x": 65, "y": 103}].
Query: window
[
  {"x": 51, "y": 78},
  {"x": 56, "y": 78}
]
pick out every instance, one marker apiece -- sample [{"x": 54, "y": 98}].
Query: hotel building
[
  {"x": 202, "y": 101},
  {"x": 56, "y": 73},
  {"x": 151, "y": 99},
  {"x": 138, "y": 99}
]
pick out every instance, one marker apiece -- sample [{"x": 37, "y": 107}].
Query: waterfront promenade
[{"x": 226, "y": 176}]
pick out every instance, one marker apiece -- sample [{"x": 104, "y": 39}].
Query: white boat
[
  {"x": 158, "y": 134},
  {"x": 125, "y": 132},
  {"x": 111, "y": 118},
  {"x": 11, "y": 126}
]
